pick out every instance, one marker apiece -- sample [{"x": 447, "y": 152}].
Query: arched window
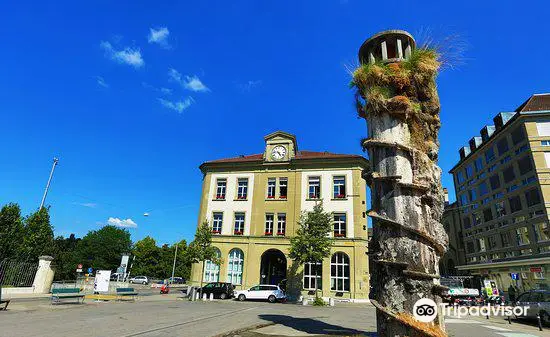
[
  {"x": 235, "y": 266},
  {"x": 339, "y": 272},
  {"x": 212, "y": 270}
]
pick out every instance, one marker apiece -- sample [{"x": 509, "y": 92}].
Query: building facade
[
  {"x": 502, "y": 183},
  {"x": 253, "y": 205},
  {"x": 455, "y": 255}
]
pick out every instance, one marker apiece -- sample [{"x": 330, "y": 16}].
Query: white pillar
[
  {"x": 44, "y": 275},
  {"x": 211, "y": 296},
  {"x": 304, "y": 301},
  {"x": 331, "y": 301},
  {"x": 408, "y": 50},
  {"x": 371, "y": 58},
  {"x": 384, "y": 51},
  {"x": 399, "y": 49},
  {"x": 204, "y": 297}
]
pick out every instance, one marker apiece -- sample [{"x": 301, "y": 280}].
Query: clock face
[{"x": 278, "y": 152}]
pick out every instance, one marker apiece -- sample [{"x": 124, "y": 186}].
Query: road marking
[
  {"x": 492, "y": 327},
  {"x": 188, "y": 322},
  {"x": 516, "y": 334},
  {"x": 461, "y": 321}
]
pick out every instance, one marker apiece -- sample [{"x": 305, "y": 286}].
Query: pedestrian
[{"x": 511, "y": 293}]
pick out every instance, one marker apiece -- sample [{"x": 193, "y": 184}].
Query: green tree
[
  {"x": 312, "y": 242},
  {"x": 103, "y": 249},
  {"x": 201, "y": 249},
  {"x": 64, "y": 257},
  {"x": 147, "y": 257},
  {"x": 11, "y": 231},
  {"x": 38, "y": 235}
]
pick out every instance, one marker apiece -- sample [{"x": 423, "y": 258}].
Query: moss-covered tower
[{"x": 397, "y": 95}]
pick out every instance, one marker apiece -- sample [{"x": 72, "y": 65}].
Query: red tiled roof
[
  {"x": 537, "y": 102},
  {"x": 299, "y": 155}
]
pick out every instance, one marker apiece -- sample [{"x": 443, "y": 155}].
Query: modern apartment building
[
  {"x": 253, "y": 204},
  {"x": 502, "y": 183}
]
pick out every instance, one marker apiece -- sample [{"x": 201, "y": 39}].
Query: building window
[
  {"x": 542, "y": 232},
  {"x": 532, "y": 197},
  {"x": 478, "y": 163},
  {"x": 492, "y": 242},
  {"x": 499, "y": 209},
  {"x": 506, "y": 239},
  {"x": 543, "y": 128},
  {"x": 470, "y": 247},
  {"x": 463, "y": 199},
  {"x": 518, "y": 135},
  {"x": 489, "y": 155},
  {"x": 477, "y": 218},
  {"x": 495, "y": 182},
  {"x": 271, "y": 184},
  {"x": 239, "y": 224},
  {"x": 212, "y": 270},
  {"x": 281, "y": 224},
  {"x": 473, "y": 194},
  {"x": 487, "y": 215},
  {"x": 545, "y": 142},
  {"x": 221, "y": 186},
  {"x": 469, "y": 171},
  {"x": 515, "y": 204},
  {"x": 508, "y": 174},
  {"x": 242, "y": 189},
  {"x": 483, "y": 189},
  {"x": 339, "y": 187},
  {"x": 283, "y": 188},
  {"x": 525, "y": 165},
  {"x": 310, "y": 270},
  {"x": 235, "y": 266},
  {"x": 314, "y": 189},
  {"x": 339, "y": 225},
  {"x": 522, "y": 236},
  {"x": 339, "y": 272},
  {"x": 459, "y": 177},
  {"x": 467, "y": 222},
  {"x": 481, "y": 243},
  {"x": 217, "y": 222},
  {"x": 502, "y": 146},
  {"x": 269, "y": 224}
]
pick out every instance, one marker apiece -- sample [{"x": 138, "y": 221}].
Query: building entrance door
[{"x": 273, "y": 267}]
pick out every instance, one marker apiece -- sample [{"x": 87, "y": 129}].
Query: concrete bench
[
  {"x": 126, "y": 292},
  {"x": 66, "y": 293}
]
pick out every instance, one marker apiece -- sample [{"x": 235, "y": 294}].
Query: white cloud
[
  {"x": 128, "y": 55},
  {"x": 192, "y": 83},
  {"x": 166, "y": 91},
  {"x": 128, "y": 223},
  {"x": 159, "y": 36},
  {"x": 248, "y": 86},
  {"x": 101, "y": 82},
  {"x": 86, "y": 204},
  {"x": 162, "y": 90},
  {"x": 178, "y": 106}
]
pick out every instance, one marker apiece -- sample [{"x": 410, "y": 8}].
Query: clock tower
[{"x": 280, "y": 147}]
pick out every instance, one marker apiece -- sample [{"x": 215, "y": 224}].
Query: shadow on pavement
[{"x": 313, "y": 326}]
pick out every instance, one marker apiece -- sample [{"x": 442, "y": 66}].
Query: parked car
[
  {"x": 538, "y": 302},
  {"x": 139, "y": 279},
  {"x": 268, "y": 292},
  {"x": 220, "y": 290},
  {"x": 176, "y": 280}
]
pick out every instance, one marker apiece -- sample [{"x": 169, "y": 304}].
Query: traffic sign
[
  {"x": 79, "y": 270},
  {"x": 79, "y": 266},
  {"x": 514, "y": 276},
  {"x": 90, "y": 270}
]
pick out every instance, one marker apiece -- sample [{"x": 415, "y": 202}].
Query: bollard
[
  {"x": 197, "y": 296},
  {"x": 211, "y": 296},
  {"x": 304, "y": 301},
  {"x": 331, "y": 301},
  {"x": 539, "y": 322},
  {"x": 204, "y": 297},
  {"x": 509, "y": 320}
]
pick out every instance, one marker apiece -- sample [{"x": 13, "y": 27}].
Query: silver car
[
  {"x": 139, "y": 279},
  {"x": 537, "y": 302}
]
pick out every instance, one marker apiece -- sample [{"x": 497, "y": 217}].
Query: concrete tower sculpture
[{"x": 397, "y": 95}]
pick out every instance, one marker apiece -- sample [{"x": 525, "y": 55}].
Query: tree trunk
[
  {"x": 202, "y": 277},
  {"x": 316, "y": 284},
  {"x": 407, "y": 200}
]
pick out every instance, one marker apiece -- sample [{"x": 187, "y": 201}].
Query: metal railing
[{"x": 17, "y": 274}]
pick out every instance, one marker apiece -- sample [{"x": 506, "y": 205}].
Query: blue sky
[{"x": 133, "y": 97}]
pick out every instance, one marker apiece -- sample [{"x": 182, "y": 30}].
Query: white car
[
  {"x": 139, "y": 279},
  {"x": 261, "y": 292}
]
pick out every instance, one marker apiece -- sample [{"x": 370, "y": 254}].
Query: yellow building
[{"x": 253, "y": 204}]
